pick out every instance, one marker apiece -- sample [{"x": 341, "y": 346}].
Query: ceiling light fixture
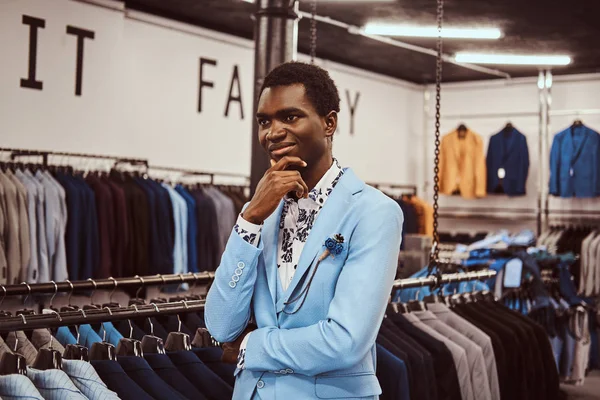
[
  {"x": 512, "y": 59},
  {"x": 387, "y": 29}
]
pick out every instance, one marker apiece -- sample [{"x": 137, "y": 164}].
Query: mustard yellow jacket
[{"x": 468, "y": 173}]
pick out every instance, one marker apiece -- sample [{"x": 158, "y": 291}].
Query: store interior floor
[{"x": 589, "y": 391}]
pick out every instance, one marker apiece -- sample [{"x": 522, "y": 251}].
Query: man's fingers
[
  {"x": 287, "y": 161},
  {"x": 273, "y": 162}
]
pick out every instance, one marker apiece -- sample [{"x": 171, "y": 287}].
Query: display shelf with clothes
[
  {"x": 113, "y": 353},
  {"x": 575, "y": 162},
  {"x": 69, "y": 220}
]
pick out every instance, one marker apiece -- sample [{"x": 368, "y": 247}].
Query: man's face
[{"x": 289, "y": 125}]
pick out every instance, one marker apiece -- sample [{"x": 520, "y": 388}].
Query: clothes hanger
[
  {"x": 416, "y": 305},
  {"x": 92, "y": 306},
  {"x": 3, "y": 314},
  {"x": 160, "y": 300},
  {"x": 130, "y": 346},
  {"x": 137, "y": 299},
  {"x": 12, "y": 362},
  {"x": 77, "y": 351},
  {"x": 178, "y": 341},
  {"x": 69, "y": 307},
  {"x": 25, "y": 310},
  {"x": 152, "y": 344},
  {"x": 103, "y": 350},
  {"x": 111, "y": 303},
  {"x": 49, "y": 358}
]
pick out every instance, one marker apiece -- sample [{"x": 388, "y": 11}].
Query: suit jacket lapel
[
  {"x": 270, "y": 236},
  {"x": 329, "y": 218}
]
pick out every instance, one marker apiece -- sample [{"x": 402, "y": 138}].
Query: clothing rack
[
  {"x": 411, "y": 188},
  {"x": 16, "y": 153},
  {"x": 110, "y": 283},
  {"x": 52, "y": 320},
  {"x": 434, "y": 280},
  {"x": 191, "y": 172}
]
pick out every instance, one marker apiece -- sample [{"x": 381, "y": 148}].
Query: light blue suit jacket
[{"x": 327, "y": 349}]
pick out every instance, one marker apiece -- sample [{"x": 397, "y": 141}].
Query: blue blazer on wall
[
  {"x": 508, "y": 149},
  {"x": 575, "y": 163},
  {"x": 326, "y": 349}
]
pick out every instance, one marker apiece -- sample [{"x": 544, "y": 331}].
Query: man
[{"x": 311, "y": 259}]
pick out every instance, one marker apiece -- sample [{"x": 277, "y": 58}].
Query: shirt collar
[{"x": 319, "y": 194}]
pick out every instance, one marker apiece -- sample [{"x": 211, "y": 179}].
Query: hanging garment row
[
  {"x": 147, "y": 356},
  {"x": 61, "y": 224},
  {"x": 464, "y": 170},
  {"x": 494, "y": 352}
]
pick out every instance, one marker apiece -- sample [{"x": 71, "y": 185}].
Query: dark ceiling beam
[{"x": 356, "y": 30}]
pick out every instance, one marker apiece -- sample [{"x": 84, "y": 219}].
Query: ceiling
[{"x": 530, "y": 27}]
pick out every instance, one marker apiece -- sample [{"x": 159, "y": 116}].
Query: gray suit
[
  {"x": 476, "y": 335},
  {"x": 11, "y": 230},
  {"x": 459, "y": 355},
  {"x": 479, "y": 379},
  {"x": 24, "y": 243}
]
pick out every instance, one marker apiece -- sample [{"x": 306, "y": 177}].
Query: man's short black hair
[{"x": 320, "y": 88}]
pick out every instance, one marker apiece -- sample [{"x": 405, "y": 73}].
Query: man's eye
[
  {"x": 291, "y": 118},
  {"x": 263, "y": 122}
]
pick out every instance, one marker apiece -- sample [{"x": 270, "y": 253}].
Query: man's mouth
[{"x": 281, "y": 150}]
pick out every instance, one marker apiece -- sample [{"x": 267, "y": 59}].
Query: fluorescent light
[
  {"x": 384, "y": 29},
  {"x": 478, "y": 58}
]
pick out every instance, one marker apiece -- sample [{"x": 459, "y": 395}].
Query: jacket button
[
  {"x": 289, "y": 371},
  {"x": 260, "y": 384},
  {"x": 232, "y": 284},
  {"x": 238, "y": 272},
  {"x": 241, "y": 265}
]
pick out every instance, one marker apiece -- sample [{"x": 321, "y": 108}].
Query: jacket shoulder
[{"x": 372, "y": 197}]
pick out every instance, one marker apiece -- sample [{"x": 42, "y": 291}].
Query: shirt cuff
[
  {"x": 247, "y": 230},
  {"x": 242, "y": 354}
]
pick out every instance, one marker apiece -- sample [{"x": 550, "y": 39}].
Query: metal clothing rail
[
  {"x": 191, "y": 172},
  {"x": 434, "y": 280},
  {"x": 379, "y": 185},
  {"x": 44, "y": 321},
  {"x": 110, "y": 283},
  {"x": 15, "y": 153}
]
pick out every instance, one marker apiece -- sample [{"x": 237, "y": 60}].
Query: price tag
[
  {"x": 512, "y": 273},
  {"x": 501, "y": 173}
]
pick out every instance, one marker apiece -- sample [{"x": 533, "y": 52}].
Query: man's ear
[{"x": 331, "y": 121}]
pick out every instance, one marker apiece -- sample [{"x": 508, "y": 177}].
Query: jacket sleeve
[
  {"x": 525, "y": 163},
  {"x": 355, "y": 313},
  {"x": 228, "y": 303},
  {"x": 555, "y": 167},
  {"x": 480, "y": 169},
  {"x": 489, "y": 165}
]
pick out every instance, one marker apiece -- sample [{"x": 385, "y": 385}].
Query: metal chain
[
  {"x": 438, "y": 83},
  {"x": 313, "y": 32}
]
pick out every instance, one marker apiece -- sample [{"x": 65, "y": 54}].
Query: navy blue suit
[
  {"x": 118, "y": 381},
  {"x": 508, "y": 150},
  {"x": 202, "y": 377},
  {"x": 392, "y": 375},
  {"x": 169, "y": 373},
  {"x": 140, "y": 371},
  {"x": 575, "y": 163},
  {"x": 211, "y": 357}
]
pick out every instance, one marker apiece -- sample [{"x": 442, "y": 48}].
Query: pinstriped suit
[
  {"x": 42, "y": 339},
  {"x": 85, "y": 377},
  {"x": 18, "y": 387},
  {"x": 54, "y": 384}
]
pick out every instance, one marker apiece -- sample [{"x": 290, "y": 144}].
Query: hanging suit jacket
[
  {"x": 575, "y": 163},
  {"x": 468, "y": 173},
  {"x": 508, "y": 150},
  {"x": 327, "y": 348}
]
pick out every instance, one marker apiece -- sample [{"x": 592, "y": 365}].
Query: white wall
[{"x": 141, "y": 87}]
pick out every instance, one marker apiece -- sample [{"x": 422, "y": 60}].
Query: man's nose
[{"x": 277, "y": 132}]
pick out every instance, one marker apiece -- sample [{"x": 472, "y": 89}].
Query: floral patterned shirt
[{"x": 297, "y": 219}]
